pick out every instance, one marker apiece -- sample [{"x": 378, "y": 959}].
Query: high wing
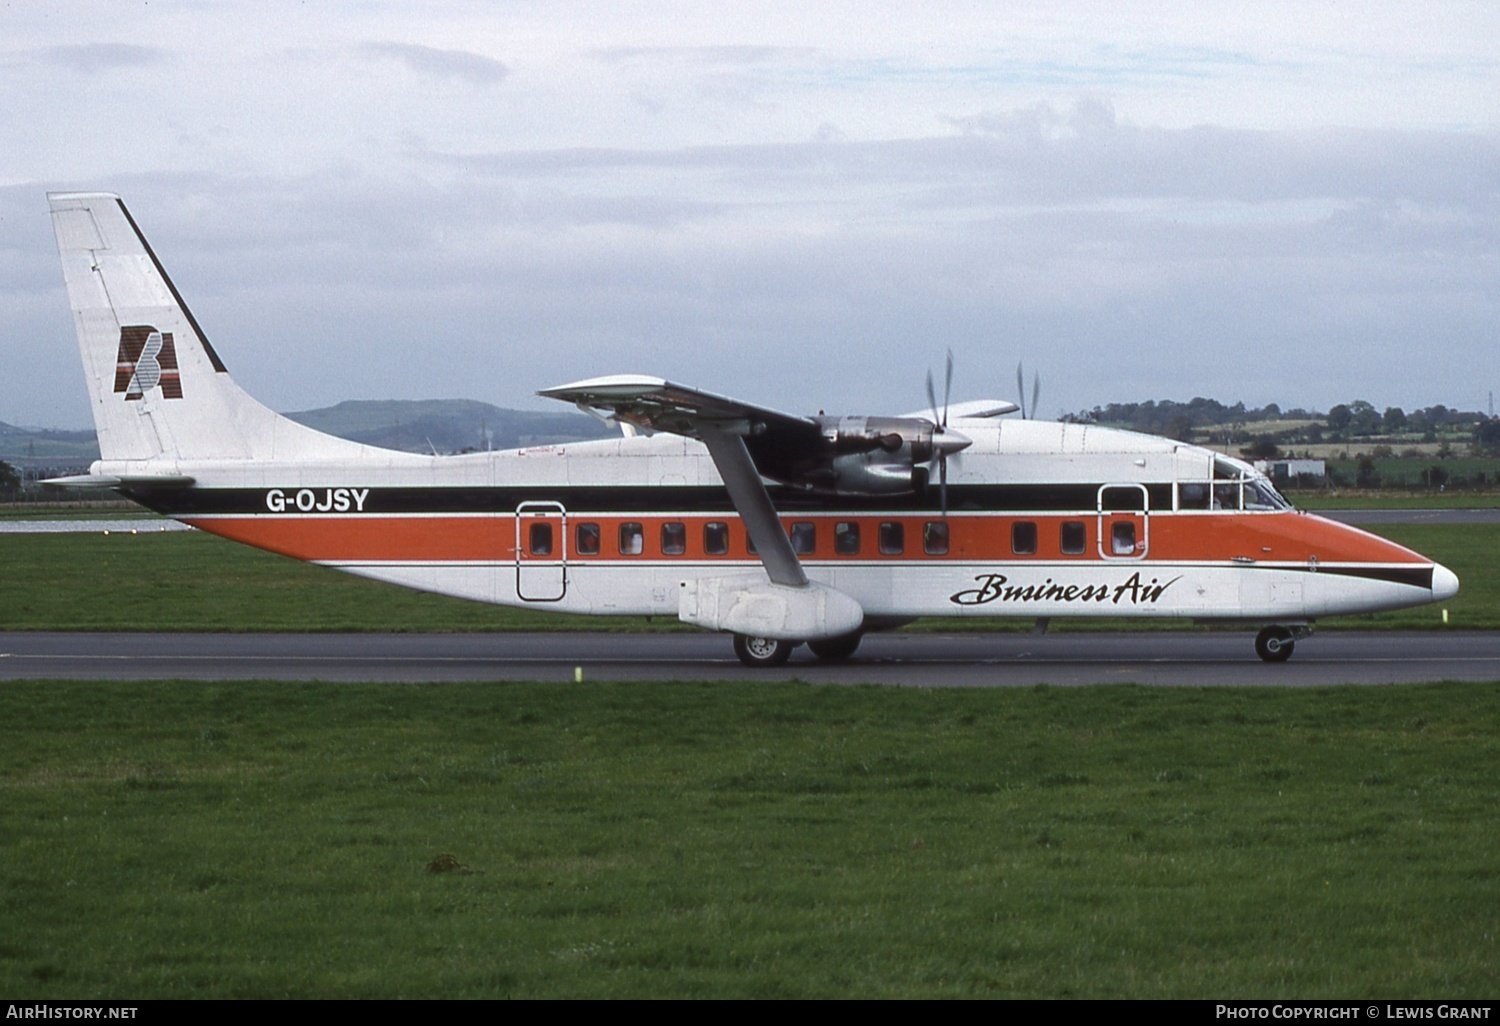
[
  {"x": 835, "y": 455},
  {"x": 652, "y": 404}
]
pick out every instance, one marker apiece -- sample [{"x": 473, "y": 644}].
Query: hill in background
[
  {"x": 21, "y": 446},
  {"x": 425, "y": 425},
  {"x": 447, "y": 425}
]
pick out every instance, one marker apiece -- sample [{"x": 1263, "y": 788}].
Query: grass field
[
  {"x": 191, "y": 581},
  {"x": 1351, "y": 498},
  {"x": 776, "y": 840}
]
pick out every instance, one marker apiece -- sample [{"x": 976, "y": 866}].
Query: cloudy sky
[{"x": 801, "y": 205}]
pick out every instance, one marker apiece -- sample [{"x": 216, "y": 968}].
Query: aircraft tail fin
[{"x": 156, "y": 386}]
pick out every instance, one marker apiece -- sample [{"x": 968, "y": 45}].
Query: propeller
[
  {"x": 943, "y": 441},
  {"x": 1036, "y": 391}
]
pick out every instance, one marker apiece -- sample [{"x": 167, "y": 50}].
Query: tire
[
  {"x": 762, "y": 653},
  {"x": 1274, "y": 644},
  {"x": 836, "y": 650}
]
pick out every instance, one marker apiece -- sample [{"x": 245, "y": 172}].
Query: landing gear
[
  {"x": 1274, "y": 644},
  {"x": 762, "y": 653},
  {"x": 836, "y": 650}
]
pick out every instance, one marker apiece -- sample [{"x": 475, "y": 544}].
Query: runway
[{"x": 905, "y": 659}]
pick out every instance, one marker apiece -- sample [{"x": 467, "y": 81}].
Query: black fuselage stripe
[
  {"x": 213, "y": 357},
  {"x": 633, "y": 499},
  {"x": 1416, "y": 576}
]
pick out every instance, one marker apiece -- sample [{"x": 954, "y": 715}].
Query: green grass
[
  {"x": 776, "y": 840},
  {"x": 76, "y": 509},
  {"x": 197, "y": 582},
  {"x": 1351, "y": 498},
  {"x": 192, "y": 581},
  {"x": 1402, "y": 472}
]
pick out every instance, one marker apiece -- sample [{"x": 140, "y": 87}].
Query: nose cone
[
  {"x": 948, "y": 441},
  {"x": 1444, "y": 583}
]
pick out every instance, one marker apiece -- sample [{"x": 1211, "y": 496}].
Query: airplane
[{"x": 776, "y": 528}]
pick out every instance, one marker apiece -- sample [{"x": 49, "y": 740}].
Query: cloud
[
  {"x": 700, "y": 55},
  {"x": 1310, "y": 268},
  {"x": 93, "y": 58},
  {"x": 462, "y": 65}
]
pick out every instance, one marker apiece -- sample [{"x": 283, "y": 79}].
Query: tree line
[{"x": 1345, "y": 422}]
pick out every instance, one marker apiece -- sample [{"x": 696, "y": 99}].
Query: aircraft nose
[{"x": 1444, "y": 583}]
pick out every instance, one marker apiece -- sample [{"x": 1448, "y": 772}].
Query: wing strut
[{"x": 753, "y": 503}]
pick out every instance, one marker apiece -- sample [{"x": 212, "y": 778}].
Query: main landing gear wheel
[
  {"x": 1274, "y": 644},
  {"x": 835, "y": 650},
  {"x": 762, "y": 652}
]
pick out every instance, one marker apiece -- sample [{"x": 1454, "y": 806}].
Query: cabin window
[
  {"x": 1122, "y": 538},
  {"x": 632, "y": 539},
  {"x": 846, "y": 538},
  {"x": 716, "y": 538},
  {"x": 804, "y": 537},
  {"x": 586, "y": 540},
  {"x": 1023, "y": 537},
  {"x": 539, "y": 538},
  {"x": 1193, "y": 495},
  {"x": 892, "y": 538},
  {"x": 673, "y": 539},
  {"x": 1072, "y": 537},
  {"x": 935, "y": 538}
]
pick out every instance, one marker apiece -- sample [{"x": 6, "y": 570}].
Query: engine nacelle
[
  {"x": 871, "y": 473},
  {"x": 873, "y": 455}
]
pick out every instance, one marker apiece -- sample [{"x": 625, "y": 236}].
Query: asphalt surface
[{"x": 917, "y": 660}]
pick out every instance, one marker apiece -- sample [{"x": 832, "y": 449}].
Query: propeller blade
[
  {"x": 1036, "y": 390},
  {"x": 943, "y": 484},
  {"x": 1021, "y": 390},
  {"x": 932, "y": 400},
  {"x": 948, "y": 388}
]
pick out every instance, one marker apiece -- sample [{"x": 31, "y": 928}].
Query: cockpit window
[
  {"x": 1226, "y": 495},
  {"x": 1261, "y": 494},
  {"x": 1224, "y": 470},
  {"x": 1236, "y": 485}
]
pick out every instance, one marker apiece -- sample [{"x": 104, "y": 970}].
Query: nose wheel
[{"x": 1274, "y": 644}]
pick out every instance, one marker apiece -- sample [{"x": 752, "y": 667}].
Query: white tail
[{"x": 157, "y": 388}]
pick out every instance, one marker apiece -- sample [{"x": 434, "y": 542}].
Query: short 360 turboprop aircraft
[{"x": 777, "y": 528}]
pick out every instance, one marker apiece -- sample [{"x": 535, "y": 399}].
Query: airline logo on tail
[{"x": 146, "y": 359}]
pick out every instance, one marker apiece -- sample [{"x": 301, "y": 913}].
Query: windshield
[
  {"x": 1236, "y": 485},
  {"x": 1261, "y": 494}
]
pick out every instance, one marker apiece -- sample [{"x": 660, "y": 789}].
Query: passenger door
[
  {"x": 541, "y": 551},
  {"x": 1123, "y": 528}
]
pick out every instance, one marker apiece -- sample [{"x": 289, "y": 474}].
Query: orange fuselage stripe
[{"x": 1189, "y": 537}]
